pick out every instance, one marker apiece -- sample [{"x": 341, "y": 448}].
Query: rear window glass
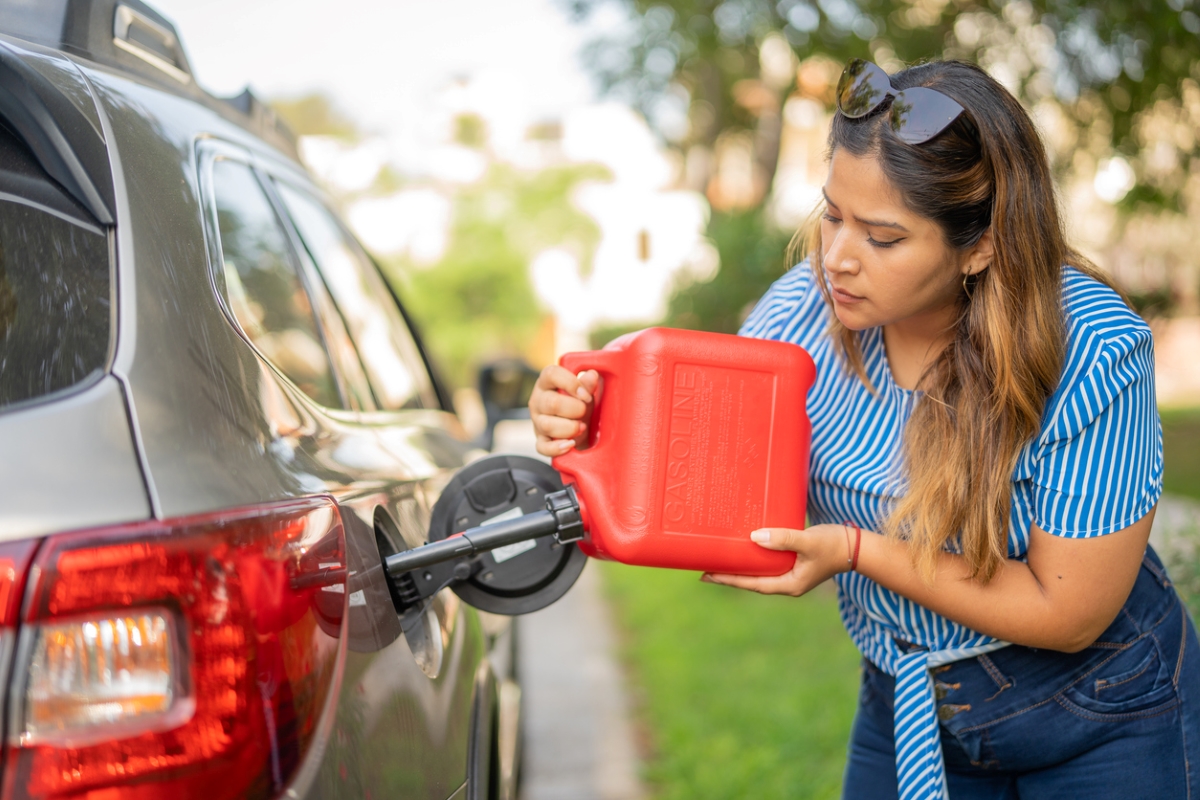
[
  {"x": 391, "y": 358},
  {"x": 54, "y": 284},
  {"x": 263, "y": 284}
]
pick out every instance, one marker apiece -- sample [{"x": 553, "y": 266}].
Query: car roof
[{"x": 126, "y": 36}]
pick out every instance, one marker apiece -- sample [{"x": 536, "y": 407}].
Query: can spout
[{"x": 451, "y": 560}]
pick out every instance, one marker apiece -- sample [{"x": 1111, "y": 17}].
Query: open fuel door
[{"x": 502, "y": 537}]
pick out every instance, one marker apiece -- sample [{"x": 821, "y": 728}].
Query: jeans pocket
[{"x": 1135, "y": 681}]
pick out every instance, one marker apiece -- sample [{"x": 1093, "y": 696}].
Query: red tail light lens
[
  {"x": 188, "y": 658},
  {"x": 14, "y": 566}
]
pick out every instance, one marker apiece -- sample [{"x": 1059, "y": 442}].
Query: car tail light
[
  {"x": 187, "y": 658},
  {"x": 95, "y": 678},
  {"x": 14, "y": 566}
]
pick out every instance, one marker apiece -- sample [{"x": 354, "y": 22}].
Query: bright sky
[{"x": 384, "y": 60}]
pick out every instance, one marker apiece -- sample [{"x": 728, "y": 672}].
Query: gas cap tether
[{"x": 502, "y": 537}]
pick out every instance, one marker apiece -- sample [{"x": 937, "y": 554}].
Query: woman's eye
[
  {"x": 830, "y": 218},
  {"x": 875, "y": 243}
]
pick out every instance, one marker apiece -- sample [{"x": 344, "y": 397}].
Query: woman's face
[{"x": 885, "y": 264}]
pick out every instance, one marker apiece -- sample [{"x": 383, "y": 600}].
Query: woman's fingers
[
  {"x": 560, "y": 408},
  {"x": 553, "y": 447},
  {"x": 779, "y": 584},
  {"x": 555, "y": 378},
  {"x": 590, "y": 380},
  {"x": 557, "y": 427},
  {"x": 777, "y": 539},
  {"x": 819, "y": 556},
  {"x": 556, "y": 404}
]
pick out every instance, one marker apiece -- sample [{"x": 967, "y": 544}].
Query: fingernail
[
  {"x": 582, "y": 429},
  {"x": 566, "y": 445},
  {"x": 762, "y": 536},
  {"x": 583, "y": 395}
]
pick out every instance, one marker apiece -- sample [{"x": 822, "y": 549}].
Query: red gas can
[{"x": 697, "y": 439}]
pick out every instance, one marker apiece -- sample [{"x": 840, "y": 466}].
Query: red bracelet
[{"x": 857, "y": 542}]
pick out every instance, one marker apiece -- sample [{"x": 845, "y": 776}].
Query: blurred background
[
  {"x": 565, "y": 170},
  {"x": 538, "y": 176}
]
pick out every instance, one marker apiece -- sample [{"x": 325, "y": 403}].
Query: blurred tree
[
  {"x": 477, "y": 303},
  {"x": 314, "y": 115},
  {"x": 713, "y": 76},
  {"x": 757, "y": 248},
  {"x": 724, "y": 61},
  {"x": 470, "y": 130}
]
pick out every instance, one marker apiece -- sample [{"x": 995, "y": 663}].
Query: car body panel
[
  {"x": 192, "y": 419},
  {"x": 78, "y": 466}
]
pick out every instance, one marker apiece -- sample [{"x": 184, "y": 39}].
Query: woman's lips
[{"x": 844, "y": 297}]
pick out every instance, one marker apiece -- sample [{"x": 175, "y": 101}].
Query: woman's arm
[{"x": 1067, "y": 594}]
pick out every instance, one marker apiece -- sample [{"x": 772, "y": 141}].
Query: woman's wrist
[
  {"x": 834, "y": 548},
  {"x": 853, "y": 545}
]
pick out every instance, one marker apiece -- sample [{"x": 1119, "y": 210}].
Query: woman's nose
[{"x": 837, "y": 256}]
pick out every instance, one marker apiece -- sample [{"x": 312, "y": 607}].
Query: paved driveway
[{"x": 579, "y": 740}]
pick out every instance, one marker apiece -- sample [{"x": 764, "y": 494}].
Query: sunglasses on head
[{"x": 917, "y": 114}]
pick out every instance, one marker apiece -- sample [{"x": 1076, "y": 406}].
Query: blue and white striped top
[{"x": 1094, "y": 468}]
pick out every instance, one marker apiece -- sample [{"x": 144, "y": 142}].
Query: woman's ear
[{"x": 980, "y": 256}]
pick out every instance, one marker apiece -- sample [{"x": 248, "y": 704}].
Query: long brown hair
[{"x": 985, "y": 393}]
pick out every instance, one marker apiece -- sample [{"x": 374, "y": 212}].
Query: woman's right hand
[{"x": 561, "y": 408}]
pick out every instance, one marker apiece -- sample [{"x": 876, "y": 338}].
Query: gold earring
[{"x": 965, "y": 288}]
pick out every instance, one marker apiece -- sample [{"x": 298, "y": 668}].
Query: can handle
[{"x": 603, "y": 361}]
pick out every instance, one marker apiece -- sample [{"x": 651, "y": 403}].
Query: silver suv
[{"x": 216, "y": 422}]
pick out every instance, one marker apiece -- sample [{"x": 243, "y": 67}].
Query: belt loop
[{"x": 1151, "y": 563}]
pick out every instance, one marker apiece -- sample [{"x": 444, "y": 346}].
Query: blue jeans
[{"x": 1120, "y": 719}]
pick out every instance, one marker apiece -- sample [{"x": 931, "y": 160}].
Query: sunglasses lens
[
  {"x": 861, "y": 89},
  {"x": 919, "y": 114}
]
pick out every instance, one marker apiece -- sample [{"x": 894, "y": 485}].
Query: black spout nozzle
[{"x": 560, "y": 519}]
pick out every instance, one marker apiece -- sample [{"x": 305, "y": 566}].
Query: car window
[
  {"x": 392, "y": 361},
  {"x": 55, "y": 301},
  {"x": 263, "y": 285},
  {"x": 355, "y": 386}
]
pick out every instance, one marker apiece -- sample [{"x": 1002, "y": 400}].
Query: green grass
[
  {"x": 1181, "y": 452},
  {"x": 738, "y": 695}
]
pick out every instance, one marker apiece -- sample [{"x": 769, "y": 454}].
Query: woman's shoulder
[
  {"x": 792, "y": 310},
  {"x": 1110, "y": 352},
  {"x": 1097, "y": 316},
  {"x": 1098, "y": 461}
]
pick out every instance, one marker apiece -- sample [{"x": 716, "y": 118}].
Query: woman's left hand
[{"x": 820, "y": 554}]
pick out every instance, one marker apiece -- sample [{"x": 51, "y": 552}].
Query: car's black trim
[{"x": 58, "y": 134}]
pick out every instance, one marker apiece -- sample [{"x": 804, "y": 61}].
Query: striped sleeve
[{"x": 1100, "y": 464}]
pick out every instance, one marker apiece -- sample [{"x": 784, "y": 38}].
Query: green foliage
[
  {"x": 1126, "y": 54},
  {"x": 314, "y": 115},
  {"x": 1152, "y": 303},
  {"x": 477, "y": 303},
  {"x": 1181, "y": 452},
  {"x": 470, "y": 130},
  {"x": 1150, "y": 198},
  {"x": 603, "y": 334},
  {"x": 752, "y": 256},
  {"x": 1180, "y": 544},
  {"x": 743, "y": 695}
]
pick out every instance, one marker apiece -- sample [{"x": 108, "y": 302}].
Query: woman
[{"x": 986, "y": 461}]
